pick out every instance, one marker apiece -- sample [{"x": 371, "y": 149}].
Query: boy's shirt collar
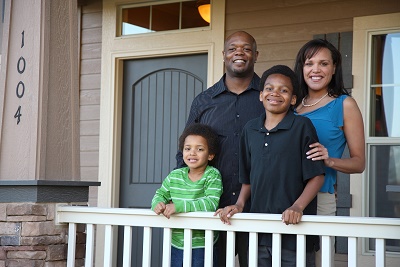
[{"x": 284, "y": 124}]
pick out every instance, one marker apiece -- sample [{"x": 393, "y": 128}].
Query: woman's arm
[{"x": 354, "y": 131}]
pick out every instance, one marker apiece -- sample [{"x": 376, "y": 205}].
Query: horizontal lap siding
[
  {"x": 282, "y": 27},
  {"x": 90, "y": 81}
]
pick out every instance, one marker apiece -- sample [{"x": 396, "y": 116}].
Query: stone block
[
  {"x": 26, "y": 218},
  {"x": 81, "y": 238},
  {"x": 3, "y": 214},
  {"x": 3, "y": 253},
  {"x": 58, "y": 264},
  {"x": 56, "y": 252},
  {"x": 24, "y": 263},
  {"x": 80, "y": 251},
  {"x": 10, "y": 240},
  {"x": 11, "y": 228},
  {"x": 26, "y": 209},
  {"x": 42, "y": 228},
  {"x": 51, "y": 211},
  {"x": 43, "y": 240},
  {"x": 2, "y": 263},
  {"x": 33, "y": 255}
]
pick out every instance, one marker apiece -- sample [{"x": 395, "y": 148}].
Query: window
[
  {"x": 160, "y": 17},
  {"x": 383, "y": 140}
]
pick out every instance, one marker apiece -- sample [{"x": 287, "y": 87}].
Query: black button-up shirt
[{"x": 226, "y": 113}]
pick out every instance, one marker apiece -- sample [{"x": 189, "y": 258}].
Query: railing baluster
[
  {"x": 108, "y": 245},
  {"x": 127, "y": 251},
  {"x": 89, "y": 245},
  {"x": 276, "y": 250},
  {"x": 352, "y": 252},
  {"x": 187, "y": 251},
  {"x": 230, "y": 248},
  {"x": 146, "y": 247},
  {"x": 71, "y": 245},
  {"x": 253, "y": 249},
  {"x": 104, "y": 220},
  {"x": 380, "y": 248},
  {"x": 166, "y": 260},
  {"x": 301, "y": 251},
  {"x": 326, "y": 251},
  {"x": 209, "y": 248}
]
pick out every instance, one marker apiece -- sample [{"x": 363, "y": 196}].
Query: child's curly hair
[{"x": 204, "y": 131}]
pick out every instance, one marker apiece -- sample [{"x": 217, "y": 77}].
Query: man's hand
[{"x": 228, "y": 212}]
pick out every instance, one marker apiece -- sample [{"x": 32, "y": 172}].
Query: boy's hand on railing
[
  {"x": 159, "y": 208},
  {"x": 292, "y": 215},
  {"x": 228, "y": 212},
  {"x": 169, "y": 210}
]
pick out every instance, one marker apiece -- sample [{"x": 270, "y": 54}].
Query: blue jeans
[
  {"x": 288, "y": 257},
  {"x": 197, "y": 257}
]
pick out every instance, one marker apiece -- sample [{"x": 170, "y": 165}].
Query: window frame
[{"x": 369, "y": 138}]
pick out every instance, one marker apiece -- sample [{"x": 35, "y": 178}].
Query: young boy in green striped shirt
[{"x": 196, "y": 187}]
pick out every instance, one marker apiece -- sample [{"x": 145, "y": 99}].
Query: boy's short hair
[
  {"x": 204, "y": 131},
  {"x": 284, "y": 70}
]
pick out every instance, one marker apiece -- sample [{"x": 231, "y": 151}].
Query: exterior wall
[
  {"x": 282, "y": 27},
  {"x": 40, "y": 59},
  {"x": 30, "y": 237},
  {"x": 90, "y": 77}
]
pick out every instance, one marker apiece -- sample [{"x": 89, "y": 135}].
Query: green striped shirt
[{"x": 188, "y": 196}]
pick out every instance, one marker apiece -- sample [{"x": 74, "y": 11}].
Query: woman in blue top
[{"x": 334, "y": 113}]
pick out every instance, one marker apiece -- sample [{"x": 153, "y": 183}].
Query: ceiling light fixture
[{"x": 204, "y": 8}]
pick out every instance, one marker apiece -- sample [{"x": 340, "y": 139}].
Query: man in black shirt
[{"x": 227, "y": 106}]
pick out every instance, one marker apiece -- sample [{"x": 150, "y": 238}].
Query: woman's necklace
[{"x": 303, "y": 102}]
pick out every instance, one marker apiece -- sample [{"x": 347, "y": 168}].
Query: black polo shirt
[
  {"x": 274, "y": 163},
  {"x": 226, "y": 113}
]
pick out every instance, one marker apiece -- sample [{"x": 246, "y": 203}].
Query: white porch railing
[{"x": 351, "y": 227}]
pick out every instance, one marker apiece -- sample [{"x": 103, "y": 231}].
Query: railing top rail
[{"x": 387, "y": 228}]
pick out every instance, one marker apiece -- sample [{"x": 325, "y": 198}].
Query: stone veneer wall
[{"x": 29, "y": 237}]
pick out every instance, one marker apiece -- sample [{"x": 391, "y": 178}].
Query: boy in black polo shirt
[{"x": 273, "y": 166}]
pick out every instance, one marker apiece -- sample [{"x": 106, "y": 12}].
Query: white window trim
[{"x": 364, "y": 29}]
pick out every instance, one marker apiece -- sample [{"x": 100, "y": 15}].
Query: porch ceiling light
[{"x": 204, "y": 8}]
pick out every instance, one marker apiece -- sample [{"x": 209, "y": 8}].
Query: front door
[{"x": 157, "y": 94}]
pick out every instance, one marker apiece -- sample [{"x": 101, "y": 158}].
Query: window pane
[
  {"x": 385, "y": 91},
  {"x": 136, "y": 20},
  {"x": 386, "y": 119},
  {"x": 384, "y": 192},
  {"x": 385, "y": 59},
  {"x": 163, "y": 17},
  {"x": 191, "y": 17}
]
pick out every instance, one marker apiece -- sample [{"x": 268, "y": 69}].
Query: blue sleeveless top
[{"x": 327, "y": 121}]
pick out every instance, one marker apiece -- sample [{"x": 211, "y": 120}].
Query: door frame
[{"x": 117, "y": 49}]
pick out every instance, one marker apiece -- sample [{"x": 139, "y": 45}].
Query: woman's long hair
[{"x": 336, "y": 86}]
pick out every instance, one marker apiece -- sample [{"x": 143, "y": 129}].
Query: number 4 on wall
[{"x": 18, "y": 115}]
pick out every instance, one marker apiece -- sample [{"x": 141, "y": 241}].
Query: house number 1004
[{"x": 20, "y": 90}]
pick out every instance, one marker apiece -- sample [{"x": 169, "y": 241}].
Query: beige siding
[
  {"x": 282, "y": 27},
  {"x": 90, "y": 93}
]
